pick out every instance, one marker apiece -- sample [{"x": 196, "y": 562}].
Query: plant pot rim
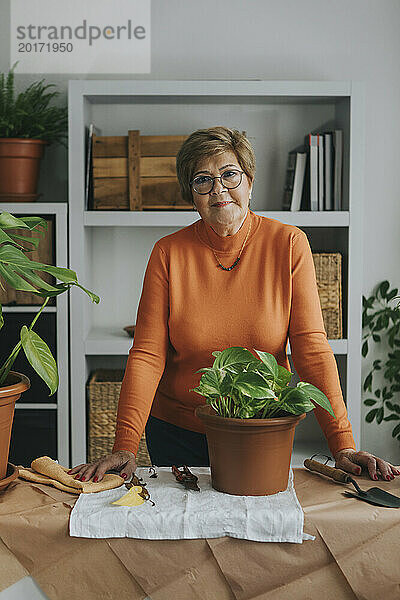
[
  {"x": 17, "y": 387},
  {"x": 5, "y": 140},
  {"x": 11, "y": 474},
  {"x": 207, "y": 411}
]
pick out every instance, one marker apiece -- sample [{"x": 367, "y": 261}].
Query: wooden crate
[
  {"x": 136, "y": 172},
  {"x": 44, "y": 254},
  {"x": 328, "y": 271}
]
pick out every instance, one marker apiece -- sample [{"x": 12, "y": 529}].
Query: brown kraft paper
[{"x": 354, "y": 555}]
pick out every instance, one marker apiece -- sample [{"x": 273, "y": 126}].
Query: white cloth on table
[{"x": 187, "y": 514}]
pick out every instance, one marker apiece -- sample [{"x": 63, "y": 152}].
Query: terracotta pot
[
  {"x": 12, "y": 473},
  {"x": 19, "y": 165},
  {"x": 15, "y": 384},
  {"x": 249, "y": 457}
]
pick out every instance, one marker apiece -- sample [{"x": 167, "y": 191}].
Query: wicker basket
[
  {"x": 103, "y": 390},
  {"x": 328, "y": 271}
]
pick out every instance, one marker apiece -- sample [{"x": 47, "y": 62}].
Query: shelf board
[
  {"x": 171, "y": 218},
  {"x": 28, "y": 308},
  {"x": 206, "y": 90},
  {"x": 104, "y": 341},
  {"x": 35, "y": 208},
  {"x": 107, "y": 340},
  {"x": 35, "y": 405}
]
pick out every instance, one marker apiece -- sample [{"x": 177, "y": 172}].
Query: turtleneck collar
[{"x": 229, "y": 243}]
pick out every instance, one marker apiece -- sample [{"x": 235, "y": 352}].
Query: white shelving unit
[
  {"x": 59, "y": 211},
  {"x": 110, "y": 249}
]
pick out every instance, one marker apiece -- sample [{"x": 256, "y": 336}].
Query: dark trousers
[{"x": 172, "y": 445}]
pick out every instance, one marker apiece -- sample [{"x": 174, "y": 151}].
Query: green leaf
[
  {"x": 392, "y": 418},
  {"x": 284, "y": 377},
  {"x": 40, "y": 357},
  {"x": 317, "y": 396},
  {"x": 270, "y": 362},
  {"x": 396, "y": 430},
  {"x": 369, "y": 402},
  {"x": 364, "y": 350},
  {"x": 209, "y": 384},
  {"x": 383, "y": 288},
  {"x": 253, "y": 385},
  {"x": 379, "y": 415},
  {"x": 368, "y": 382},
  {"x": 295, "y": 401},
  {"x": 14, "y": 280},
  {"x": 94, "y": 297},
  {"x": 8, "y": 221},
  {"x": 233, "y": 356},
  {"x": 251, "y": 406},
  {"x": 371, "y": 415},
  {"x": 32, "y": 240},
  {"x": 13, "y": 258}
]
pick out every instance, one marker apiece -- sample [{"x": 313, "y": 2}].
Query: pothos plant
[
  {"x": 19, "y": 271},
  {"x": 242, "y": 385},
  {"x": 381, "y": 321}
]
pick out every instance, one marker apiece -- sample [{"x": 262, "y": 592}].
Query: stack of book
[{"x": 314, "y": 173}]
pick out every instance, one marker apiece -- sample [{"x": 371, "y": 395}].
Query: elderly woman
[{"x": 233, "y": 278}]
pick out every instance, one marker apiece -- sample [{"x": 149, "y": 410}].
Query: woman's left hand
[{"x": 348, "y": 459}]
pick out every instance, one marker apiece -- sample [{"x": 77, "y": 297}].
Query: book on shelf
[
  {"x": 295, "y": 171},
  {"x": 92, "y": 129},
  {"x": 321, "y": 192},
  {"x": 312, "y": 152},
  {"x": 328, "y": 172},
  {"x": 338, "y": 167},
  {"x": 314, "y": 173}
]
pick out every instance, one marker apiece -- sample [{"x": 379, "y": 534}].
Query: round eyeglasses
[{"x": 204, "y": 184}]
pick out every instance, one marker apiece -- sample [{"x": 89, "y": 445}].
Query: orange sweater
[{"x": 189, "y": 308}]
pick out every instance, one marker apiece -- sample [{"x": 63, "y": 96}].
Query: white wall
[{"x": 313, "y": 40}]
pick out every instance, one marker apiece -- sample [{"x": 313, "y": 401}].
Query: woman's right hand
[{"x": 122, "y": 460}]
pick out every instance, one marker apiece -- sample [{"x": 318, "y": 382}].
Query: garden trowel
[{"x": 374, "y": 495}]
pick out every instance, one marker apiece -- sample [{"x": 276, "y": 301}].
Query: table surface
[{"x": 354, "y": 555}]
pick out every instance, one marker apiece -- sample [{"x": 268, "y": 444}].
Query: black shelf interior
[
  {"x": 34, "y": 434},
  {"x": 45, "y": 327}
]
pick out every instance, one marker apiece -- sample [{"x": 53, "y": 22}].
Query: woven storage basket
[
  {"x": 103, "y": 390},
  {"x": 328, "y": 271}
]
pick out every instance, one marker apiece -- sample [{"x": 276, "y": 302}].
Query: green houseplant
[
  {"x": 20, "y": 272},
  {"x": 28, "y": 122},
  {"x": 250, "y": 416},
  {"x": 381, "y": 322}
]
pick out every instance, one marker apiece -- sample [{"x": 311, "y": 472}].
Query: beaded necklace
[{"x": 233, "y": 265}]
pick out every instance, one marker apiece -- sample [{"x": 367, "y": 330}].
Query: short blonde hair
[{"x": 204, "y": 143}]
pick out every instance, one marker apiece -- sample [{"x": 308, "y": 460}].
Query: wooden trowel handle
[{"x": 332, "y": 472}]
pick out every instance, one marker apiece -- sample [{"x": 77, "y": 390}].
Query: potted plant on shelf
[
  {"x": 20, "y": 272},
  {"x": 27, "y": 124},
  {"x": 250, "y": 416}
]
